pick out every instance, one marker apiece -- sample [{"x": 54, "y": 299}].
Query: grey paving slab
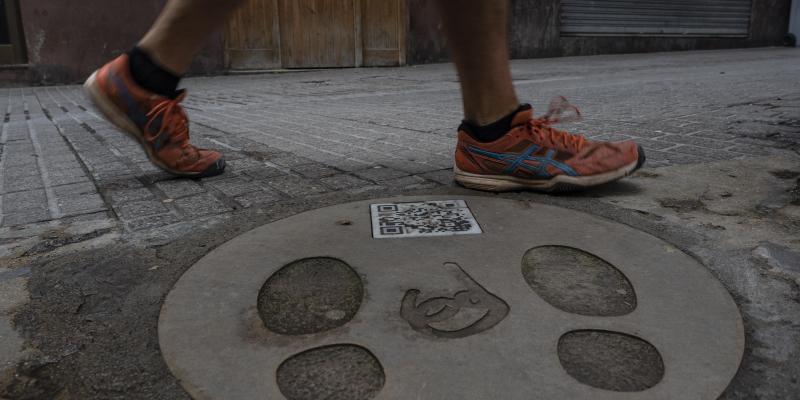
[
  {"x": 235, "y": 185},
  {"x": 175, "y": 188},
  {"x": 139, "y": 209},
  {"x": 409, "y": 183},
  {"x": 314, "y": 170},
  {"x": 119, "y": 196},
  {"x": 344, "y": 181},
  {"x": 24, "y": 200},
  {"x": 78, "y": 198},
  {"x": 19, "y": 184},
  {"x": 151, "y": 222},
  {"x": 201, "y": 205},
  {"x": 258, "y": 198},
  {"x": 296, "y": 186},
  {"x": 313, "y": 305},
  {"x": 378, "y": 174},
  {"x": 27, "y": 216}
]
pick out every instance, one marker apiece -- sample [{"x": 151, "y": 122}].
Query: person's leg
[
  {"x": 181, "y": 30},
  {"x": 501, "y": 145},
  {"x": 477, "y": 37},
  {"x": 138, "y": 90}
]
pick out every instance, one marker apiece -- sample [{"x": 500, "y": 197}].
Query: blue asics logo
[
  {"x": 134, "y": 113},
  {"x": 138, "y": 117},
  {"x": 516, "y": 161}
]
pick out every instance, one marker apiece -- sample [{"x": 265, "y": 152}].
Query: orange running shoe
[
  {"x": 534, "y": 155},
  {"x": 158, "y": 123}
]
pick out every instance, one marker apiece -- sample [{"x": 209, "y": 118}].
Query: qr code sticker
[{"x": 429, "y": 218}]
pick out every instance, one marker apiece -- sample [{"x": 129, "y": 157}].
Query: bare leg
[
  {"x": 477, "y": 35},
  {"x": 182, "y": 29}
]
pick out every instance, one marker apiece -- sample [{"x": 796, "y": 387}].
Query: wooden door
[
  {"x": 383, "y": 32},
  {"x": 251, "y": 38},
  {"x": 317, "y": 34}
]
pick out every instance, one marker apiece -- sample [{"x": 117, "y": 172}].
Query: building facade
[{"x": 54, "y": 41}]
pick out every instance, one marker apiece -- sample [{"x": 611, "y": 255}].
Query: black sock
[
  {"x": 495, "y": 130},
  {"x": 152, "y": 76}
]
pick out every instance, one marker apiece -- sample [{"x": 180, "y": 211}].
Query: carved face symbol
[
  {"x": 545, "y": 303},
  {"x": 445, "y": 316}
]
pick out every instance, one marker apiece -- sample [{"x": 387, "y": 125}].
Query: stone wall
[
  {"x": 534, "y": 32},
  {"x": 68, "y": 40}
]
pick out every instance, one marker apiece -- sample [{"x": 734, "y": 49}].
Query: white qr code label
[{"x": 428, "y": 218}]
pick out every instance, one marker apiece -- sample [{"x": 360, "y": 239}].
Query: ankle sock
[
  {"x": 151, "y": 76},
  {"x": 495, "y": 130}
]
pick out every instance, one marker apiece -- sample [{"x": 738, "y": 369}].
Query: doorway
[{"x": 12, "y": 45}]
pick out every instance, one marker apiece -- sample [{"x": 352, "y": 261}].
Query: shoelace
[
  {"x": 173, "y": 121},
  {"x": 560, "y": 110}
]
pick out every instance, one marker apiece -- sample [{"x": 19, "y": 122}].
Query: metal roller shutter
[{"x": 655, "y": 18}]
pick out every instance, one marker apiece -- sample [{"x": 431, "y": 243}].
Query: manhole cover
[{"x": 468, "y": 298}]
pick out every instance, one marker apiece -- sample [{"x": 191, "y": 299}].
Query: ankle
[
  {"x": 148, "y": 74},
  {"x": 494, "y": 130}
]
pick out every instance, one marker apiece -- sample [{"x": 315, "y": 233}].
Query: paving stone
[
  {"x": 314, "y": 171},
  {"x": 130, "y": 182},
  {"x": 654, "y": 144},
  {"x": 22, "y": 184},
  {"x": 257, "y": 198},
  {"x": 119, "y": 196},
  {"x": 145, "y": 165},
  {"x": 243, "y": 164},
  {"x": 201, "y": 205},
  {"x": 445, "y": 177},
  {"x": 347, "y": 165},
  {"x": 20, "y": 171},
  {"x": 365, "y": 189},
  {"x": 66, "y": 176},
  {"x": 90, "y": 217},
  {"x": 24, "y": 201},
  {"x": 78, "y": 198},
  {"x": 409, "y": 183},
  {"x": 151, "y": 222},
  {"x": 16, "y": 160},
  {"x": 290, "y": 161},
  {"x": 699, "y": 151},
  {"x": 235, "y": 185},
  {"x": 176, "y": 188},
  {"x": 418, "y": 168},
  {"x": 295, "y": 186},
  {"x": 28, "y": 216},
  {"x": 263, "y": 173},
  {"x": 344, "y": 181},
  {"x": 696, "y": 141},
  {"x": 378, "y": 174},
  {"x": 139, "y": 209}
]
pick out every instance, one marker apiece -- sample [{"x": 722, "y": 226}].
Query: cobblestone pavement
[
  {"x": 92, "y": 236},
  {"x": 305, "y": 134}
]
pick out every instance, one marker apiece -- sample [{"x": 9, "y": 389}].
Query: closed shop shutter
[{"x": 655, "y": 18}]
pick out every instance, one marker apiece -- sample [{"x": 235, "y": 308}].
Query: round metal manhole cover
[{"x": 432, "y": 298}]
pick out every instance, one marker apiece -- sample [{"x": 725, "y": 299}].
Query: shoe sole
[
  {"x": 121, "y": 121},
  {"x": 559, "y": 183}
]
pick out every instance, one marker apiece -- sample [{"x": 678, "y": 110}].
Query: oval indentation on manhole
[
  {"x": 575, "y": 281},
  {"x": 311, "y": 295},
  {"x": 610, "y": 360},
  {"x": 337, "y": 372}
]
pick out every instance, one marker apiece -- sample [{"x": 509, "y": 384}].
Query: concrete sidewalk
[{"x": 92, "y": 236}]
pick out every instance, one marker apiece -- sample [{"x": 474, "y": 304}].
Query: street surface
[{"x": 92, "y": 236}]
